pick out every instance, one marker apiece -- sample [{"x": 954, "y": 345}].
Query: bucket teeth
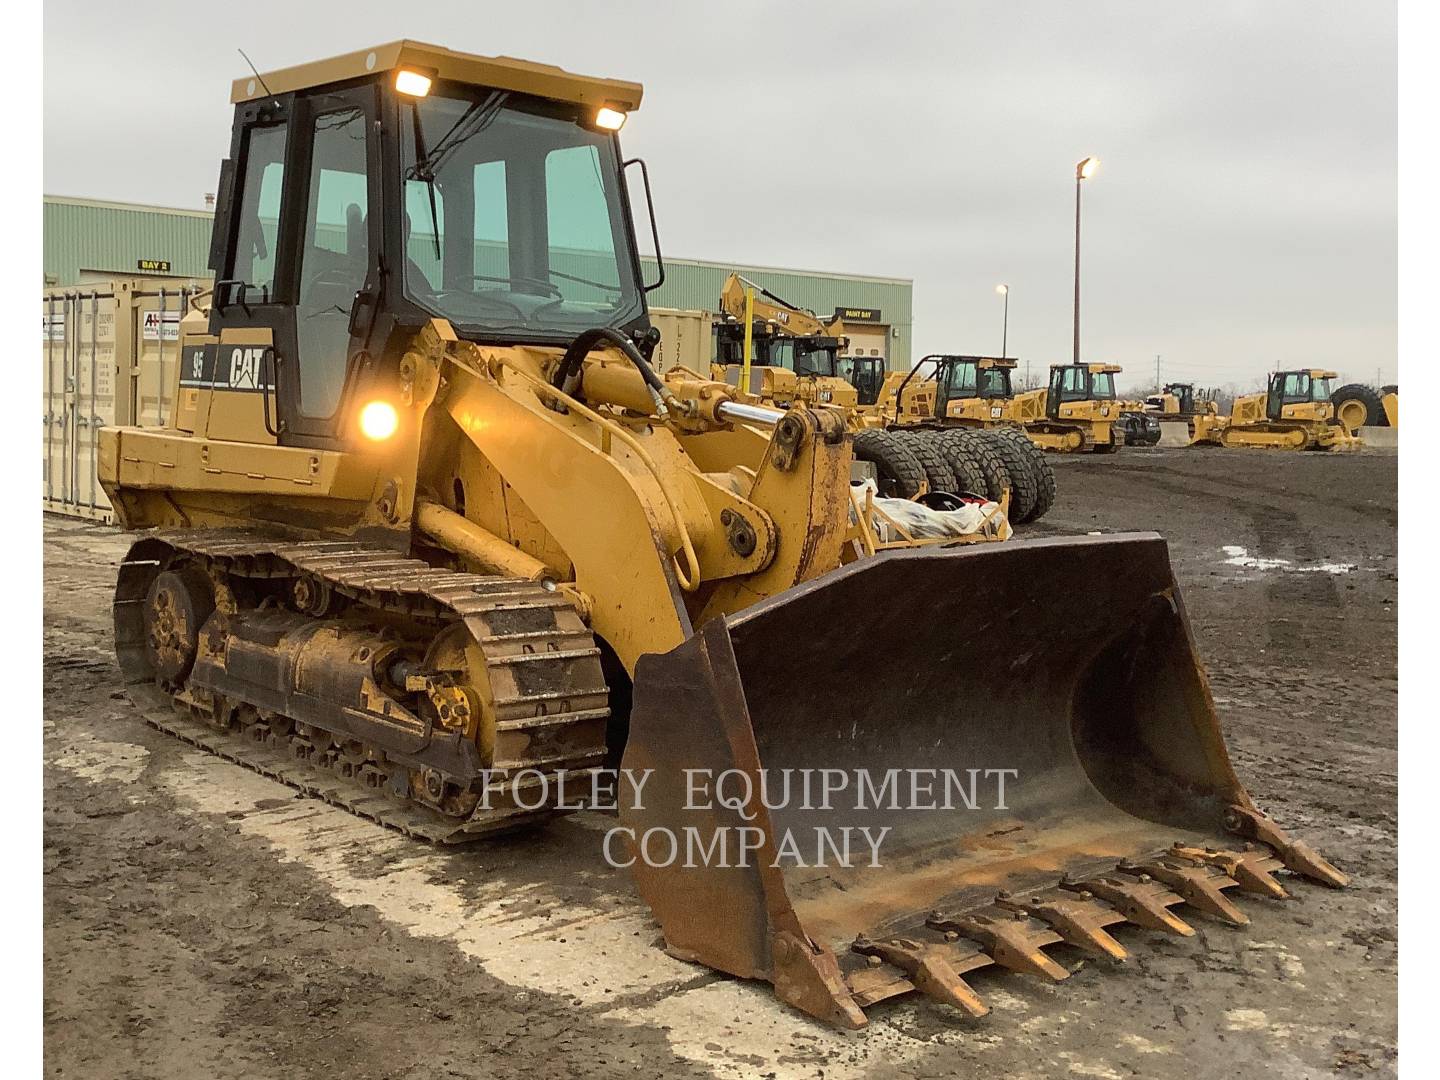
[
  {"x": 1009, "y": 939},
  {"x": 1250, "y": 869},
  {"x": 1198, "y": 886},
  {"x": 1295, "y": 855},
  {"x": 927, "y": 968},
  {"x": 1081, "y": 922},
  {"x": 1144, "y": 903}
]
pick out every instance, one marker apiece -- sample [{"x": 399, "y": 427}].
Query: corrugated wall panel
[{"x": 110, "y": 237}]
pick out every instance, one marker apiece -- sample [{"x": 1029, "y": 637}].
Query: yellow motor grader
[
  {"x": 429, "y": 538},
  {"x": 1294, "y": 413}
]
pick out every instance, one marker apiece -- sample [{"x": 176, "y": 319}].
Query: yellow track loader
[
  {"x": 1295, "y": 413},
  {"x": 429, "y": 538}
]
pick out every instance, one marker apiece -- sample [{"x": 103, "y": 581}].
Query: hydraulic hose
[{"x": 567, "y": 375}]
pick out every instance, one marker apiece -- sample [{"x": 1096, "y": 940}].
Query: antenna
[{"x": 258, "y": 77}]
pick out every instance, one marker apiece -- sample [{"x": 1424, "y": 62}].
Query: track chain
[{"x": 549, "y": 695}]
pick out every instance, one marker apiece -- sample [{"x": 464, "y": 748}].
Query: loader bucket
[{"x": 1068, "y": 662}]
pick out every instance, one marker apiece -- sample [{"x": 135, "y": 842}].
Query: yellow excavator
[
  {"x": 1294, "y": 413},
  {"x": 428, "y": 537},
  {"x": 794, "y": 355}
]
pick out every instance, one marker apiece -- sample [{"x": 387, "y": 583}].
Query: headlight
[
  {"x": 609, "y": 119},
  {"x": 414, "y": 83},
  {"x": 378, "y": 420}
]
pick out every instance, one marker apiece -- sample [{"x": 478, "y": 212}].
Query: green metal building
[{"x": 89, "y": 240}]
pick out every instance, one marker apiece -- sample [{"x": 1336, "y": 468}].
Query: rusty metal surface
[{"x": 1068, "y": 660}]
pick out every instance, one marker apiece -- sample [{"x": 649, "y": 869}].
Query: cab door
[{"x": 305, "y": 242}]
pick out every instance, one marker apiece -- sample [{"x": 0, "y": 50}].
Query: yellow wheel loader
[
  {"x": 1294, "y": 413},
  {"x": 429, "y": 538}
]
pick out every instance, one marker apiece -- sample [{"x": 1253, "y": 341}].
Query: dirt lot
[{"x": 204, "y": 921}]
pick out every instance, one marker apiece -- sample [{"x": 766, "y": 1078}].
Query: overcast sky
[{"x": 1243, "y": 217}]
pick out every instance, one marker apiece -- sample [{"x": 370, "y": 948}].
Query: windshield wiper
[
  {"x": 585, "y": 281},
  {"x": 479, "y": 116},
  {"x": 421, "y": 170},
  {"x": 474, "y": 120}
]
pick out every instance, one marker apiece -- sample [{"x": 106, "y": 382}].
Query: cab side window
[
  {"x": 257, "y": 231},
  {"x": 1072, "y": 384},
  {"x": 334, "y": 258}
]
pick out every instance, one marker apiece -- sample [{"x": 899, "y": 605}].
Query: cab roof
[
  {"x": 980, "y": 361},
  {"x": 1094, "y": 369},
  {"x": 497, "y": 72}
]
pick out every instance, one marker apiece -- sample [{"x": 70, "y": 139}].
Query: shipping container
[
  {"x": 108, "y": 351},
  {"x": 686, "y": 339}
]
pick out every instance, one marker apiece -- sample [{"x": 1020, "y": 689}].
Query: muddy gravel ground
[{"x": 202, "y": 921}]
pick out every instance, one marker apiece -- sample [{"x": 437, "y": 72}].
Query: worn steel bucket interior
[{"x": 1068, "y": 660}]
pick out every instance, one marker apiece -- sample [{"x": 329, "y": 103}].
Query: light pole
[
  {"x": 1004, "y": 290},
  {"x": 1083, "y": 171}
]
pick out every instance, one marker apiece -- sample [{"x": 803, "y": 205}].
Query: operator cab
[
  {"x": 960, "y": 378},
  {"x": 814, "y": 357},
  {"x": 1287, "y": 388},
  {"x": 1184, "y": 394},
  {"x": 364, "y": 195},
  {"x": 1079, "y": 382},
  {"x": 866, "y": 374}
]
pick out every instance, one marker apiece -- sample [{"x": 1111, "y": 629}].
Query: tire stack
[
  {"x": 1367, "y": 397},
  {"x": 985, "y": 462}
]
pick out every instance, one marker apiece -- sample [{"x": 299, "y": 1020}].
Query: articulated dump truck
[{"x": 427, "y": 537}]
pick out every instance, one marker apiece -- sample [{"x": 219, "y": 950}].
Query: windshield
[
  {"x": 995, "y": 382},
  {"x": 802, "y": 357},
  {"x": 1319, "y": 389},
  {"x": 513, "y": 217},
  {"x": 1102, "y": 386},
  {"x": 959, "y": 380}
]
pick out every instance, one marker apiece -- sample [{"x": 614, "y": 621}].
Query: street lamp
[
  {"x": 1004, "y": 290},
  {"x": 1083, "y": 171}
]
